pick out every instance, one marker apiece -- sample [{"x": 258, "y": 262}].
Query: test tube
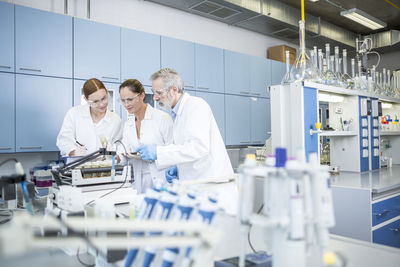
[
  {"x": 340, "y": 65},
  {"x": 377, "y": 77},
  {"x": 327, "y": 56},
  {"x": 388, "y": 78},
  {"x": 373, "y": 74},
  {"x": 359, "y": 68},
  {"x": 320, "y": 59},
  {"x": 336, "y": 58},
  {"x": 287, "y": 60},
  {"x": 332, "y": 61},
  {"x": 344, "y": 61},
  {"x": 384, "y": 78},
  {"x": 380, "y": 79}
]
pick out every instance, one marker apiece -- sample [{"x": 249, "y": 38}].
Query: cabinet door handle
[
  {"x": 256, "y": 94},
  {"x": 257, "y": 141},
  {"x": 29, "y": 69},
  {"x": 245, "y": 142},
  {"x": 5, "y": 67},
  {"x": 190, "y": 86},
  {"x": 201, "y": 87},
  {"x": 110, "y": 78},
  {"x": 383, "y": 213},
  {"x": 245, "y": 92},
  {"x": 31, "y": 147},
  {"x": 395, "y": 229},
  {"x": 5, "y": 148}
]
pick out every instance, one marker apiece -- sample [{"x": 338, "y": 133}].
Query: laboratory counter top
[{"x": 380, "y": 181}]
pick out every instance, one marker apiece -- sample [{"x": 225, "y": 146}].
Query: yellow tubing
[{"x": 302, "y": 9}]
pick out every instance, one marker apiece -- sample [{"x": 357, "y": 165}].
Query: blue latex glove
[
  {"x": 148, "y": 152},
  {"x": 171, "y": 174}
]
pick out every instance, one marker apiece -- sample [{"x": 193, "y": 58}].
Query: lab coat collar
[
  {"x": 147, "y": 115},
  {"x": 85, "y": 111},
  {"x": 183, "y": 99}
]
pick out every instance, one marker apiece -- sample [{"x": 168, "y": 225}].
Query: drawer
[
  {"x": 385, "y": 210},
  {"x": 388, "y": 235}
]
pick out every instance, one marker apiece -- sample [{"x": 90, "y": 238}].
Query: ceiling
[
  {"x": 386, "y": 10},
  {"x": 280, "y": 18}
]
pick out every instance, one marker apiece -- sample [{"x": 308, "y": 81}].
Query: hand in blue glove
[
  {"x": 171, "y": 174},
  {"x": 148, "y": 152}
]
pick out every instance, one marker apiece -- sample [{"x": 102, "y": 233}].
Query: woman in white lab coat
[
  {"x": 148, "y": 126},
  {"x": 86, "y": 127}
]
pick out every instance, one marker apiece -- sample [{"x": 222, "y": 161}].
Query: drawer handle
[
  {"x": 190, "y": 86},
  {"x": 257, "y": 141},
  {"x": 383, "y": 213},
  {"x": 256, "y": 94},
  {"x": 245, "y": 142},
  {"x": 110, "y": 78},
  {"x": 29, "y": 69},
  {"x": 245, "y": 92},
  {"x": 31, "y": 147},
  {"x": 5, "y": 67},
  {"x": 5, "y": 148},
  {"x": 395, "y": 229},
  {"x": 201, "y": 87}
]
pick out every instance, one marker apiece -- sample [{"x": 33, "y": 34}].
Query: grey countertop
[{"x": 378, "y": 181}]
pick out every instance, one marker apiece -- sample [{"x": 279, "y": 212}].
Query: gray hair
[{"x": 170, "y": 78}]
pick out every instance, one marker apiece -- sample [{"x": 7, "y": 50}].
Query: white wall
[{"x": 154, "y": 18}]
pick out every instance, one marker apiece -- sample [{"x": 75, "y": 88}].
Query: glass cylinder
[
  {"x": 340, "y": 65},
  {"x": 336, "y": 58},
  {"x": 373, "y": 70},
  {"x": 327, "y": 56},
  {"x": 359, "y": 68},
  {"x": 287, "y": 61},
  {"x": 344, "y": 61},
  {"x": 320, "y": 60},
  {"x": 353, "y": 68},
  {"x": 384, "y": 78},
  {"x": 315, "y": 57},
  {"x": 332, "y": 61},
  {"x": 388, "y": 79}
]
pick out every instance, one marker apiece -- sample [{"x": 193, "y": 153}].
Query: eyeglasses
[
  {"x": 98, "y": 102},
  {"x": 159, "y": 92},
  {"x": 128, "y": 101}
]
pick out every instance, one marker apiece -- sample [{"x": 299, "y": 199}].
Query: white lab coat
[
  {"x": 79, "y": 126},
  {"x": 155, "y": 129},
  {"x": 198, "y": 149}
]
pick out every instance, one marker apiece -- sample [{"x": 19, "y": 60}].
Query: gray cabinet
[
  {"x": 278, "y": 71},
  {"x": 7, "y": 117},
  {"x": 237, "y": 115},
  {"x": 260, "y": 120},
  {"x": 7, "y": 37},
  {"x": 209, "y": 69},
  {"x": 43, "y": 42},
  {"x": 97, "y": 51},
  {"x": 217, "y": 104}
]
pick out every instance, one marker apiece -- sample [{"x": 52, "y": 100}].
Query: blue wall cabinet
[
  {"x": 41, "y": 104},
  {"x": 7, "y": 117},
  {"x": 217, "y": 104},
  {"x": 209, "y": 69},
  {"x": 140, "y": 55},
  {"x": 260, "y": 76},
  {"x": 96, "y": 51},
  {"x": 260, "y": 120},
  {"x": 237, "y": 119},
  {"x": 237, "y": 73},
  {"x": 113, "y": 95},
  {"x": 7, "y": 37},
  {"x": 278, "y": 71},
  {"x": 43, "y": 42},
  {"x": 179, "y": 55}
]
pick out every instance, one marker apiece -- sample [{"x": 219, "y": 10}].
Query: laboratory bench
[{"x": 367, "y": 205}]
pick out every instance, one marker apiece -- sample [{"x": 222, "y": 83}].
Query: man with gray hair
[{"x": 198, "y": 151}]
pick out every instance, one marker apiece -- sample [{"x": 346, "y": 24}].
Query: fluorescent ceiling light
[
  {"x": 324, "y": 97},
  {"x": 386, "y": 105},
  {"x": 363, "y": 18}
]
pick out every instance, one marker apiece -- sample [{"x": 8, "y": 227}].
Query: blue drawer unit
[
  {"x": 140, "y": 55},
  {"x": 260, "y": 76},
  {"x": 238, "y": 123},
  {"x": 113, "y": 95},
  {"x": 43, "y": 42},
  {"x": 237, "y": 73},
  {"x": 7, "y": 37},
  {"x": 179, "y": 55},
  {"x": 278, "y": 71},
  {"x": 385, "y": 210},
  {"x": 209, "y": 69},
  {"x": 388, "y": 235},
  {"x": 7, "y": 117},
  {"x": 260, "y": 120},
  {"x": 41, "y": 104},
  {"x": 97, "y": 49},
  {"x": 217, "y": 104}
]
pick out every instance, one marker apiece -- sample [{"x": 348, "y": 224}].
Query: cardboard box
[{"x": 278, "y": 53}]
